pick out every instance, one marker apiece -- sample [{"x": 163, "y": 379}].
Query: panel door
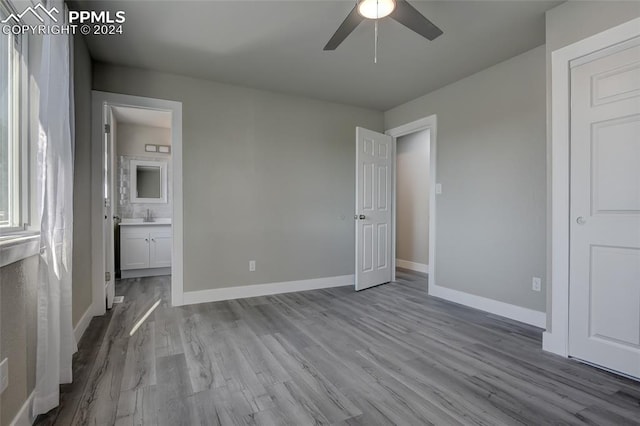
[
  {"x": 604, "y": 311},
  {"x": 373, "y": 208},
  {"x": 160, "y": 249},
  {"x": 134, "y": 250}
]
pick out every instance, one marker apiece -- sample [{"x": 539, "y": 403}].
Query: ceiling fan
[{"x": 399, "y": 10}]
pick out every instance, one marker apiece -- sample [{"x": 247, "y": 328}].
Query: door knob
[
  {"x": 362, "y": 217},
  {"x": 581, "y": 220}
]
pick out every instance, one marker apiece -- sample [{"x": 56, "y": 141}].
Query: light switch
[{"x": 438, "y": 188}]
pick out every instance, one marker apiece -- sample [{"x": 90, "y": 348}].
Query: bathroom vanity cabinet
[{"x": 145, "y": 249}]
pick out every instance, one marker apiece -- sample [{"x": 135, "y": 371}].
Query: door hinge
[
  {"x": 107, "y": 128},
  {"x": 107, "y": 276}
]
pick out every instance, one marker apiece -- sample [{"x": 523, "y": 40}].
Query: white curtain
[{"x": 56, "y": 342}]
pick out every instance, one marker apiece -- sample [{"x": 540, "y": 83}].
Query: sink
[{"x": 140, "y": 221}]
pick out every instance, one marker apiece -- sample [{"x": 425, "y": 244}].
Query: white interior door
[
  {"x": 604, "y": 311},
  {"x": 373, "y": 208},
  {"x": 109, "y": 251}
]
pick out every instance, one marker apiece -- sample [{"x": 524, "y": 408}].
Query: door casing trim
[
  {"x": 98, "y": 100},
  {"x": 426, "y": 123}
]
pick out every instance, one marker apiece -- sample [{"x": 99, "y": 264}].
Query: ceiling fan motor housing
[{"x": 399, "y": 10}]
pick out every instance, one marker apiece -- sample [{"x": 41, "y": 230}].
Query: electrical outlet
[
  {"x": 252, "y": 266},
  {"x": 4, "y": 375},
  {"x": 536, "y": 284}
]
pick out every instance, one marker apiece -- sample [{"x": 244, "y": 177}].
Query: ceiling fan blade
[
  {"x": 409, "y": 16},
  {"x": 348, "y": 25}
]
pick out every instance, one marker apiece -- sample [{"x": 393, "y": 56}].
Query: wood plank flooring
[{"x": 387, "y": 355}]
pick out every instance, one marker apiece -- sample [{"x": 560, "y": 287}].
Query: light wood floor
[{"x": 387, "y": 355}]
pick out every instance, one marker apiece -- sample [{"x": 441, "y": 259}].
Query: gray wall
[
  {"x": 266, "y": 177},
  {"x": 18, "y": 284},
  {"x": 566, "y": 24},
  {"x": 575, "y": 20},
  {"x": 412, "y": 197},
  {"x": 491, "y": 162},
  {"x": 82, "y": 294},
  {"x": 133, "y": 137}
]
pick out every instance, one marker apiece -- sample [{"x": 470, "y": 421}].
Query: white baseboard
[
  {"x": 514, "y": 312},
  {"x": 23, "y": 418},
  {"x": 554, "y": 343},
  {"x": 241, "y": 292},
  {"x": 413, "y": 266},
  {"x": 82, "y": 325}
]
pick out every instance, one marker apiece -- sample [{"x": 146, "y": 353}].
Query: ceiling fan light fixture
[{"x": 376, "y": 9}]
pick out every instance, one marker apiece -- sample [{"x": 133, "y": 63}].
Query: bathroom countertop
[{"x": 139, "y": 221}]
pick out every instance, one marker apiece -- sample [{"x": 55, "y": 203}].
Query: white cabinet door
[
  {"x": 604, "y": 324},
  {"x": 160, "y": 249},
  {"x": 134, "y": 250}
]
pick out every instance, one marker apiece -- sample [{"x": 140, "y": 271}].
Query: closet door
[{"x": 604, "y": 313}]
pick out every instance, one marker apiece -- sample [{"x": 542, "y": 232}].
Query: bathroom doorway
[{"x": 137, "y": 197}]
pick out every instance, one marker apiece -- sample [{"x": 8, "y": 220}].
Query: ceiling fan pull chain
[{"x": 375, "y": 50}]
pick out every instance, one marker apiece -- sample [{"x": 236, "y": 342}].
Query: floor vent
[{"x": 118, "y": 299}]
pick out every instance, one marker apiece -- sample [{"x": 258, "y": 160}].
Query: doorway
[
  {"x": 414, "y": 196},
  {"x": 417, "y": 129},
  {"x": 412, "y": 201},
  {"x": 127, "y": 131},
  {"x": 142, "y": 191}
]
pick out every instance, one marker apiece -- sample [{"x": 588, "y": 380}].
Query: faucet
[{"x": 149, "y": 216}]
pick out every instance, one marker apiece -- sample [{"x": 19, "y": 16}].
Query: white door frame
[
  {"x": 427, "y": 123},
  {"x": 110, "y": 288},
  {"x": 98, "y": 101},
  {"x": 556, "y": 338}
]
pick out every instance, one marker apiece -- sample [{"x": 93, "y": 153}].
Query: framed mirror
[{"x": 148, "y": 181}]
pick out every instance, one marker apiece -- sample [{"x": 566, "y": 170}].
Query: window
[{"x": 13, "y": 146}]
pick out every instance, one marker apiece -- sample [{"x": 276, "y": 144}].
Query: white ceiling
[
  {"x": 277, "y": 45},
  {"x": 142, "y": 117}
]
